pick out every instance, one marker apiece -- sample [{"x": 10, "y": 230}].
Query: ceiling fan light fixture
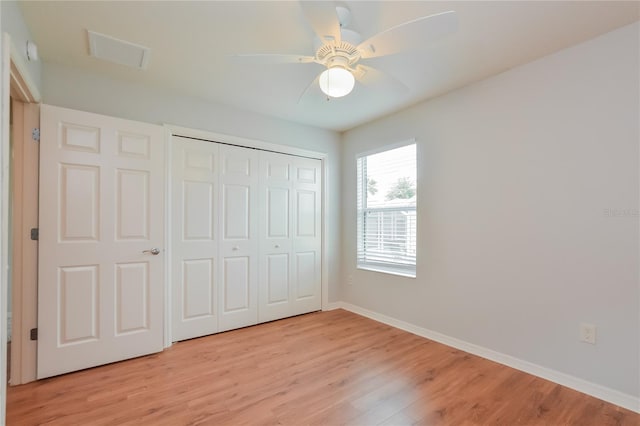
[{"x": 337, "y": 82}]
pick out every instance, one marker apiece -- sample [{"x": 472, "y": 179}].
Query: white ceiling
[{"x": 191, "y": 42}]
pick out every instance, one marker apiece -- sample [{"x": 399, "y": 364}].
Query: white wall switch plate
[{"x": 588, "y": 333}]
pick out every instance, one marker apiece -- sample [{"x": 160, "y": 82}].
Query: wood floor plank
[{"x": 327, "y": 368}]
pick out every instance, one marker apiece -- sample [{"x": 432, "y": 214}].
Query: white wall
[
  {"x": 515, "y": 247},
  {"x": 13, "y": 23},
  {"x": 71, "y": 88}
]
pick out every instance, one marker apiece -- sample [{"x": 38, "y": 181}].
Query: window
[{"x": 387, "y": 211}]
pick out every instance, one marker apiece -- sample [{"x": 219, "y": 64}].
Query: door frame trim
[
  {"x": 24, "y": 303},
  {"x": 172, "y": 130},
  {"x": 24, "y": 211},
  {"x": 16, "y": 82}
]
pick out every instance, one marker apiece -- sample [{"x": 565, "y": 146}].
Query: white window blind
[{"x": 386, "y": 198}]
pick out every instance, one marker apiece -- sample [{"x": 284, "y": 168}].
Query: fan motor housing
[{"x": 344, "y": 52}]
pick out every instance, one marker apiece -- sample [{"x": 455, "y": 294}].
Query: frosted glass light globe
[{"x": 337, "y": 82}]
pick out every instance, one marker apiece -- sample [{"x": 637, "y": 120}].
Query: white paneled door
[
  {"x": 101, "y": 257},
  {"x": 194, "y": 204},
  {"x": 307, "y": 241},
  {"x": 239, "y": 212},
  {"x": 246, "y": 236},
  {"x": 290, "y": 242},
  {"x": 276, "y": 248}
]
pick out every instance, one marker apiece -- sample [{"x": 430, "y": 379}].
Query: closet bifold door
[
  {"x": 290, "y": 241},
  {"x": 239, "y": 211},
  {"x": 276, "y": 290},
  {"x": 195, "y": 259},
  {"x": 246, "y": 237},
  {"x": 307, "y": 237}
]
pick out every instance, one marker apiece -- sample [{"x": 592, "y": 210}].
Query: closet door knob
[
  {"x": 154, "y": 251},
  {"x": 235, "y": 248},
  {"x": 277, "y": 245}
]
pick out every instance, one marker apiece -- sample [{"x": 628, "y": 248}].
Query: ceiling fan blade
[
  {"x": 370, "y": 76},
  {"x": 323, "y": 18},
  {"x": 309, "y": 88},
  {"x": 269, "y": 58},
  {"x": 410, "y": 35}
]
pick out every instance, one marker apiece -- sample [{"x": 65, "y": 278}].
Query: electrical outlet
[
  {"x": 588, "y": 333},
  {"x": 350, "y": 279}
]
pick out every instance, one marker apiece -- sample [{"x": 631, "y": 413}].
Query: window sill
[{"x": 391, "y": 271}]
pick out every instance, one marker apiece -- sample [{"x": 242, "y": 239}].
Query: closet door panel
[
  {"x": 194, "y": 264},
  {"x": 277, "y": 208},
  {"x": 277, "y": 279},
  {"x": 275, "y": 288},
  {"x": 306, "y": 240},
  {"x": 289, "y": 261},
  {"x": 198, "y": 288},
  {"x": 247, "y": 237},
  {"x": 236, "y": 284},
  {"x": 239, "y": 211}
]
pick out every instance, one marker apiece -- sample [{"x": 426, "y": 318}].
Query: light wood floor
[{"x": 325, "y": 368}]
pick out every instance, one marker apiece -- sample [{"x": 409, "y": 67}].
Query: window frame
[{"x": 361, "y": 189}]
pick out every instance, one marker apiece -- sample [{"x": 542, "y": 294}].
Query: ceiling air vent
[{"x": 119, "y": 51}]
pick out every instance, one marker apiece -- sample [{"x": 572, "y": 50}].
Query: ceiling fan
[{"x": 341, "y": 50}]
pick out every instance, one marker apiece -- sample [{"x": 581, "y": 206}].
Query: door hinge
[
  {"x": 34, "y": 334},
  {"x": 35, "y": 134},
  {"x": 35, "y": 234}
]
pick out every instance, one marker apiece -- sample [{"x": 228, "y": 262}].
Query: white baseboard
[
  {"x": 332, "y": 305},
  {"x": 601, "y": 392}
]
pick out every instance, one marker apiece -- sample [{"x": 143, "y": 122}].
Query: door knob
[
  {"x": 154, "y": 251},
  {"x": 235, "y": 248}
]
